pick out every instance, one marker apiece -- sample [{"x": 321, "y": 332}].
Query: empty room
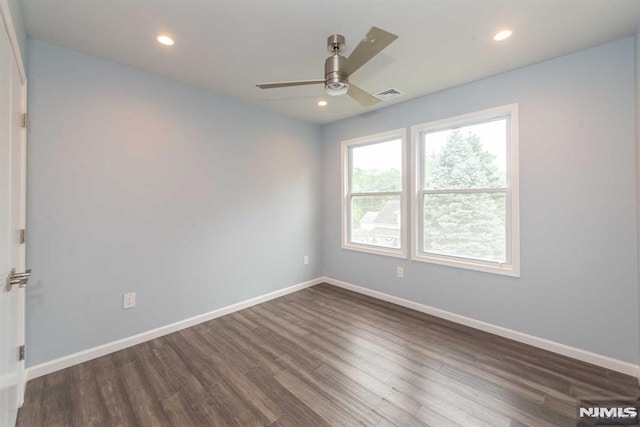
[{"x": 319, "y": 213}]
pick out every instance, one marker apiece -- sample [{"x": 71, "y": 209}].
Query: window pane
[
  {"x": 466, "y": 225},
  {"x": 377, "y": 167},
  {"x": 473, "y": 156},
  {"x": 376, "y": 220}
]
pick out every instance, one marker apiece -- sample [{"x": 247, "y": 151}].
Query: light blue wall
[
  {"x": 140, "y": 184},
  {"x": 578, "y": 215}
]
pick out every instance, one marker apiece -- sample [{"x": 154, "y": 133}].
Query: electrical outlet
[
  {"x": 305, "y": 260},
  {"x": 129, "y": 300},
  {"x": 400, "y": 272}
]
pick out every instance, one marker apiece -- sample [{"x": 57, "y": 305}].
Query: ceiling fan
[{"x": 338, "y": 69}]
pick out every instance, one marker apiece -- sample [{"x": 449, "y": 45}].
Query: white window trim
[
  {"x": 513, "y": 199},
  {"x": 345, "y": 164}
]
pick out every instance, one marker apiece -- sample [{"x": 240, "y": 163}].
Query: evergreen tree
[{"x": 464, "y": 224}]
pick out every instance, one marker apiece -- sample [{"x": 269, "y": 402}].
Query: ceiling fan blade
[
  {"x": 364, "y": 98},
  {"x": 372, "y": 44},
  {"x": 288, "y": 84}
]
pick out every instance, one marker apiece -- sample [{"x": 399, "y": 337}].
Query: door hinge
[
  {"x": 21, "y": 352},
  {"x": 23, "y": 235},
  {"x": 23, "y": 120}
]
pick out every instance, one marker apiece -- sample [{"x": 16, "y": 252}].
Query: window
[
  {"x": 466, "y": 191},
  {"x": 374, "y": 202}
]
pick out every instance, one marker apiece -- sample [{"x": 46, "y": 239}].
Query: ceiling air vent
[{"x": 387, "y": 94}]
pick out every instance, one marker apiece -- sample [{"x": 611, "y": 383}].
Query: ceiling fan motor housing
[{"x": 336, "y": 83}]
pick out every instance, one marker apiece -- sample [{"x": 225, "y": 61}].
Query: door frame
[
  {"x": 7, "y": 21},
  {"x": 13, "y": 39},
  {"x": 22, "y": 378}
]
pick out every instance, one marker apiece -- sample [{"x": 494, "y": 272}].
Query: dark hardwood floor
[{"x": 322, "y": 356}]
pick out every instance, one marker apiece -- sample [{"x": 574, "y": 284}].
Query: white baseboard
[
  {"x": 565, "y": 350},
  {"x": 95, "y": 352}
]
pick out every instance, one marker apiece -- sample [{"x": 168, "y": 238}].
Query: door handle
[{"x": 19, "y": 279}]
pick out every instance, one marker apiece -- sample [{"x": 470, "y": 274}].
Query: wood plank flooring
[{"x": 323, "y": 356}]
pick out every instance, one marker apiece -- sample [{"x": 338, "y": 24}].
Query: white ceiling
[{"x": 227, "y": 46}]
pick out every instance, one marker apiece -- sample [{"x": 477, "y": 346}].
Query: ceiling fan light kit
[{"x": 338, "y": 69}]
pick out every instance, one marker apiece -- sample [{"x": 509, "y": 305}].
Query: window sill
[
  {"x": 485, "y": 267},
  {"x": 396, "y": 253}
]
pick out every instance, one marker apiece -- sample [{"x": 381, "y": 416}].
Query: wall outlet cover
[{"x": 129, "y": 300}]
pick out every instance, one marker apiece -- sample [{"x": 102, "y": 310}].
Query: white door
[{"x": 12, "y": 218}]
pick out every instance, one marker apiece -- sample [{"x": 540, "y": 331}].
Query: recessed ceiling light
[
  {"x": 165, "y": 40},
  {"x": 322, "y": 103},
  {"x": 502, "y": 35}
]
